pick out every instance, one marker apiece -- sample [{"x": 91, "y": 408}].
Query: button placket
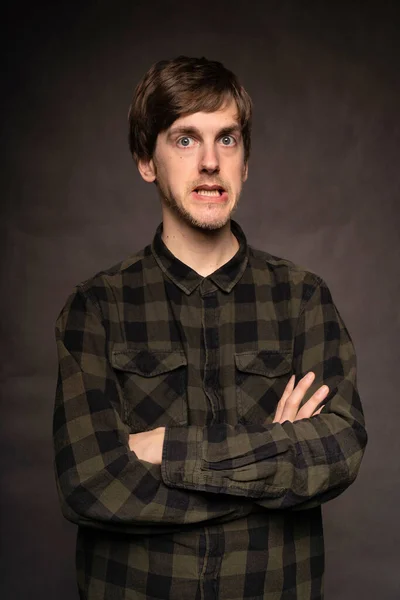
[{"x": 211, "y": 344}]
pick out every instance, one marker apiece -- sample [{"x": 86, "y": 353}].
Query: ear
[
  {"x": 245, "y": 171},
  {"x": 147, "y": 169}
]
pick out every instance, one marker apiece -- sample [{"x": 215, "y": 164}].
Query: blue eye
[
  {"x": 228, "y": 137},
  {"x": 187, "y": 141},
  {"x": 184, "y": 141}
]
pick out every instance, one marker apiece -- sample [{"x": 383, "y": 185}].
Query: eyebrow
[{"x": 190, "y": 130}]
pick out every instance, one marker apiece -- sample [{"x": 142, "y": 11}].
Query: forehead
[{"x": 226, "y": 116}]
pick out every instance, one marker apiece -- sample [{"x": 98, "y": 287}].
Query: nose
[{"x": 209, "y": 160}]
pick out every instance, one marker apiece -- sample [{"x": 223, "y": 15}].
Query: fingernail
[
  {"x": 310, "y": 376},
  {"x": 323, "y": 390}
]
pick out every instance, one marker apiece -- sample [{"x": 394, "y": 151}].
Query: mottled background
[{"x": 323, "y": 191}]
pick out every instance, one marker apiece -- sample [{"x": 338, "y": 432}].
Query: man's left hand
[{"x": 148, "y": 445}]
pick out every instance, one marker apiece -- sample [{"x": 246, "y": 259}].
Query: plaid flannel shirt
[{"x": 234, "y": 510}]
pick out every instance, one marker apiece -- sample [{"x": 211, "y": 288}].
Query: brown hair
[{"x": 181, "y": 86}]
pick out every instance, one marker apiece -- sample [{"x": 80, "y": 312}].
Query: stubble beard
[{"x": 186, "y": 216}]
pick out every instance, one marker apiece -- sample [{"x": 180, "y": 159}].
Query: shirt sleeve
[
  {"x": 296, "y": 465},
  {"x": 100, "y": 481}
]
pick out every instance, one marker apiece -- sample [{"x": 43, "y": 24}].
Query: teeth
[{"x": 208, "y": 192}]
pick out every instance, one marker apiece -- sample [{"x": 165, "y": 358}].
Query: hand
[
  {"x": 288, "y": 405},
  {"x": 148, "y": 445}
]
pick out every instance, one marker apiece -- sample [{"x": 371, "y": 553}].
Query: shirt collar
[{"x": 187, "y": 279}]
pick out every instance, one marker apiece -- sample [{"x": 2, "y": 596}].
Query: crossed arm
[
  {"x": 148, "y": 445},
  {"x": 110, "y": 479}
]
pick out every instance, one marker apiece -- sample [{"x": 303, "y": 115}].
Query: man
[{"x": 206, "y": 402}]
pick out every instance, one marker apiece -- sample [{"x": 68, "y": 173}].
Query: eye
[
  {"x": 184, "y": 141},
  {"x": 228, "y": 140}
]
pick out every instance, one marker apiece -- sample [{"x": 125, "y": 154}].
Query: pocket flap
[
  {"x": 270, "y": 363},
  {"x": 148, "y": 363}
]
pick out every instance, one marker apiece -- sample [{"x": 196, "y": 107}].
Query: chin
[
  {"x": 209, "y": 226},
  {"x": 211, "y": 223}
]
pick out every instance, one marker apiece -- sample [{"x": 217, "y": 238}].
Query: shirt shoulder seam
[{"x": 308, "y": 276}]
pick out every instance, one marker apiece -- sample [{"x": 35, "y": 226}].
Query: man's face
[{"x": 200, "y": 151}]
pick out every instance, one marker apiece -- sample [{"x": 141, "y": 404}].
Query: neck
[{"x": 202, "y": 250}]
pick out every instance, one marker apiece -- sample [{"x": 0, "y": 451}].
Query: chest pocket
[
  {"x": 261, "y": 377},
  {"x": 154, "y": 385}
]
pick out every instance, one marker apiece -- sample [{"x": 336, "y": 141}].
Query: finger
[
  {"x": 293, "y": 401},
  {"x": 289, "y": 388},
  {"x": 309, "y": 408},
  {"x": 317, "y": 411},
  {"x": 286, "y": 393},
  {"x": 313, "y": 404}
]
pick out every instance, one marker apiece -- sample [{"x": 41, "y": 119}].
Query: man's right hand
[{"x": 288, "y": 406}]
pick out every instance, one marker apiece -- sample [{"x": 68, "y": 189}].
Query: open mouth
[{"x": 214, "y": 191}]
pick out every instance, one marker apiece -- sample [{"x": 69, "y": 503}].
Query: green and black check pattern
[{"x": 234, "y": 510}]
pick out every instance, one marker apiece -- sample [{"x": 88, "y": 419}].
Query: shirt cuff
[
  {"x": 181, "y": 456},
  {"x": 222, "y": 464}
]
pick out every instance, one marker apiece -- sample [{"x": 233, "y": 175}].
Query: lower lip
[{"x": 220, "y": 198}]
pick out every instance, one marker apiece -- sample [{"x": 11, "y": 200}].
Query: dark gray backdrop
[{"x": 323, "y": 191}]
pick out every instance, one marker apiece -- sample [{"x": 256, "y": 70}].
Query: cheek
[
  {"x": 177, "y": 167},
  {"x": 238, "y": 175},
  {"x": 167, "y": 172}
]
